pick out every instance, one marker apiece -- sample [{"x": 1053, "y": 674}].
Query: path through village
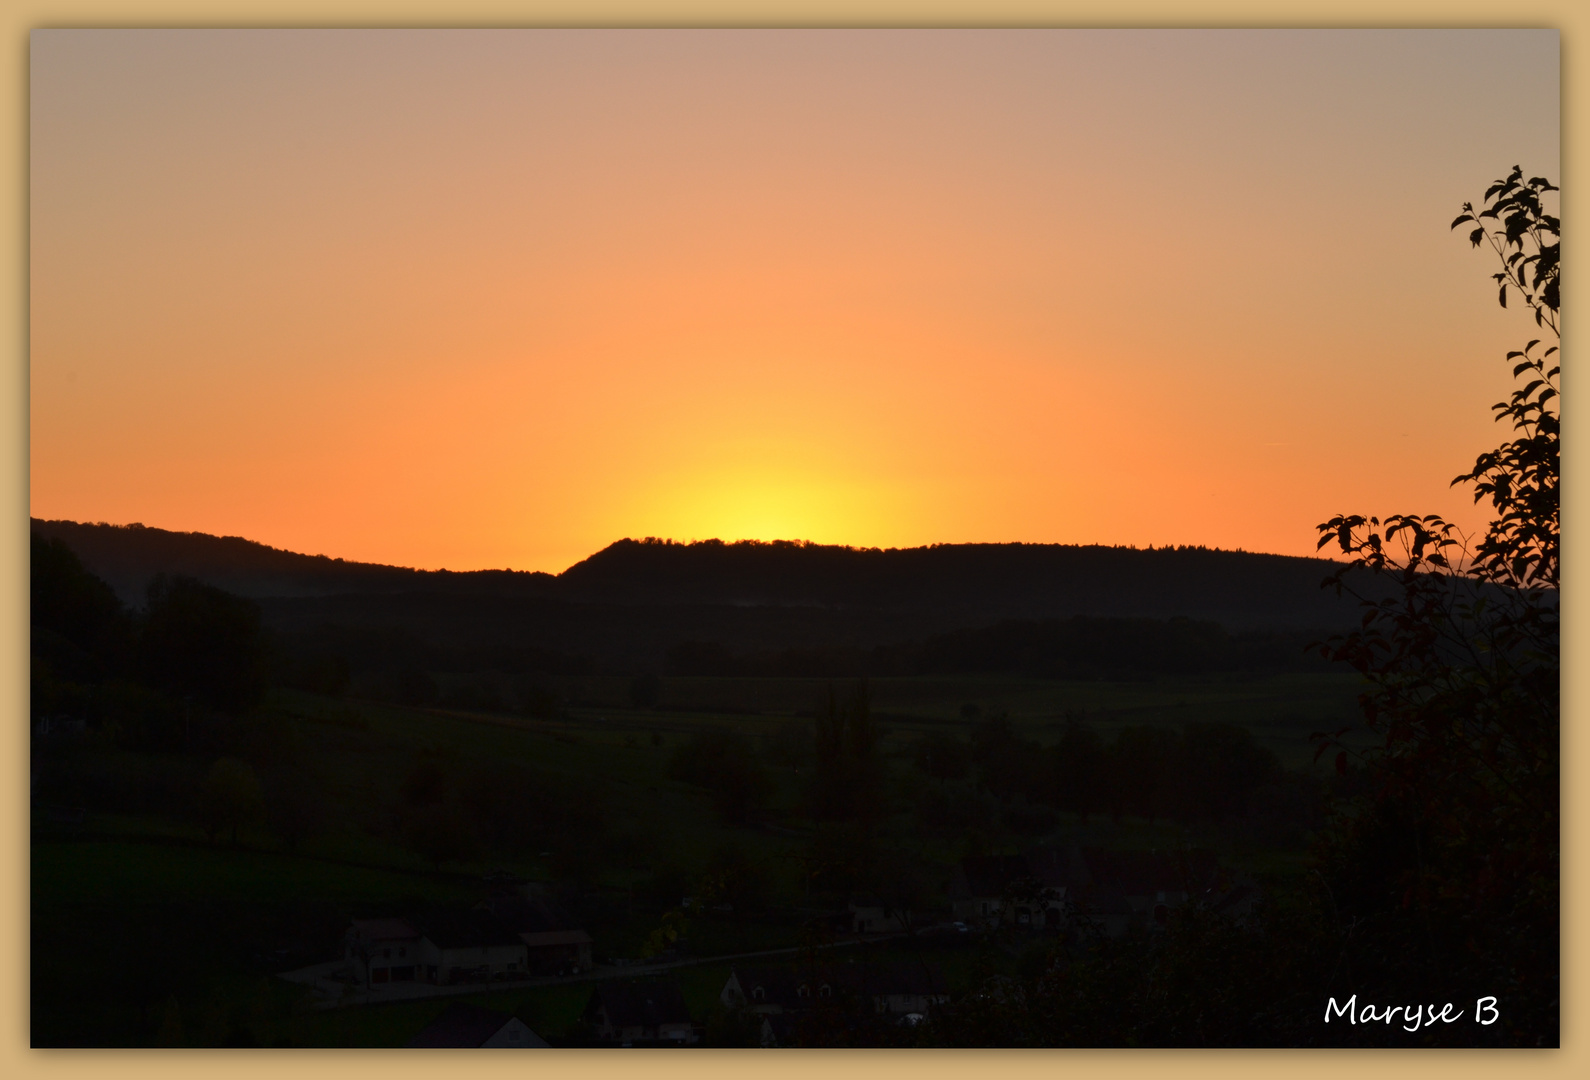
[{"x": 333, "y": 988}]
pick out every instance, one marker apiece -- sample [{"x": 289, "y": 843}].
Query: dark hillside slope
[
  {"x": 747, "y": 606},
  {"x": 965, "y": 584},
  {"x": 974, "y": 583},
  {"x": 127, "y": 556},
  {"x": 511, "y": 633}
]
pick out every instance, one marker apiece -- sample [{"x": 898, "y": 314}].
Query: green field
[
  {"x": 1282, "y": 710},
  {"x": 167, "y": 935}
]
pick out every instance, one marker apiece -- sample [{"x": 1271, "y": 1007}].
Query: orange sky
[{"x": 483, "y": 299}]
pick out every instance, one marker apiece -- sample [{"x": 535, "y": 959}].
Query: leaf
[
  {"x": 1341, "y": 763},
  {"x": 1501, "y": 297}
]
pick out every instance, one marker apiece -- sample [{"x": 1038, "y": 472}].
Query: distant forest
[
  {"x": 1081, "y": 647},
  {"x": 751, "y": 608}
]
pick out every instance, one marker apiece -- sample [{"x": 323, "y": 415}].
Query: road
[{"x": 335, "y": 993}]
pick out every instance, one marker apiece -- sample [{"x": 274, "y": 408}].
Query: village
[
  {"x": 551, "y": 537},
  {"x": 517, "y": 934}
]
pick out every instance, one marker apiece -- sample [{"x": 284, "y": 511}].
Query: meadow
[{"x": 163, "y": 932}]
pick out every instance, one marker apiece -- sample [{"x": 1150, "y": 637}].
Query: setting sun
[
  {"x": 887, "y": 538},
  {"x": 766, "y": 493},
  {"x": 498, "y": 299}
]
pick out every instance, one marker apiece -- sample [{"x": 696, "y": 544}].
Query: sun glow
[
  {"x": 470, "y": 300},
  {"x": 753, "y": 500}
]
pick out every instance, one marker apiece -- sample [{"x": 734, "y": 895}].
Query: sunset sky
[{"x": 476, "y": 299}]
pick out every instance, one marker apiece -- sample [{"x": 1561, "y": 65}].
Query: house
[
  {"x": 1061, "y": 868},
  {"x": 468, "y": 1025},
  {"x": 558, "y": 952},
  {"x": 1152, "y": 883},
  {"x": 382, "y": 951},
  {"x": 869, "y": 915},
  {"x": 1028, "y": 891},
  {"x": 553, "y": 945},
  {"x": 770, "y": 990},
  {"x": 470, "y": 945},
  {"x": 1117, "y": 889},
  {"x": 778, "y": 1029},
  {"x": 897, "y": 989},
  {"x": 1105, "y": 908},
  {"x": 644, "y": 1012},
  {"x": 977, "y": 892},
  {"x": 788, "y": 1002},
  {"x": 906, "y": 989},
  {"x": 782, "y": 990},
  {"x": 61, "y": 727},
  {"x": 1120, "y": 890}
]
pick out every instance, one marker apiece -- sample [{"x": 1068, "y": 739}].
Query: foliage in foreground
[{"x": 1449, "y": 872}]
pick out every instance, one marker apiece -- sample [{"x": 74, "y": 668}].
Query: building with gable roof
[
  {"x": 897, "y": 989},
  {"x": 641, "y": 1012},
  {"x": 1116, "y": 889},
  {"x": 383, "y": 951},
  {"x": 553, "y": 945},
  {"x": 1020, "y": 890},
  {"x": 469, "y": 945},
  {"x": 780, "y": 990}
]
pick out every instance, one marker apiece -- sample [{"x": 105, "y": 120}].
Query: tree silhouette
[
  {"x": 1079, "y": 763},
  {"x": 229, "y": 798},
  {"x": 724, "y": 763},
  {"x": 1451, "y": 870},
  {"x": 1441, "y": 878},
  {"x": 1144, "y": 769},
  {"x": 77, "y": 621},
  {"x": 1220, "y": 766},
  {"x": 202, "y": 642},
  {"x": 942, "y": 757},
  {"x": 846, "y": 783}
]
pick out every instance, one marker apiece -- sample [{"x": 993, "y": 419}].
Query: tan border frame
[{"x": 17, "y": 17}]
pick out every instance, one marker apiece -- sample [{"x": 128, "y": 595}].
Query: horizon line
[{"x": 670, "y": 542}]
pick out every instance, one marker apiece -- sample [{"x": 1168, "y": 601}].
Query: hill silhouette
[
  {"x": 1239, "y": 589},
  {"x": 129, "y": 556},
  {"x": 985, "y": 581},
  {"x": 747, "y": 606}
]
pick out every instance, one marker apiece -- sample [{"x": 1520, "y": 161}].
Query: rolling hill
[{"x": 635, "y": 603}]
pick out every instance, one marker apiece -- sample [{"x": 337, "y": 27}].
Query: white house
[
  {"x": 1018, "y": 890},
  {"x": 869, "y": 915},
  {"x": 554, "y": 946},
  {"x": 382, "y": 951},
  {"x": 907, "y": 988},
  {"x": 469, "y": 946}
]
